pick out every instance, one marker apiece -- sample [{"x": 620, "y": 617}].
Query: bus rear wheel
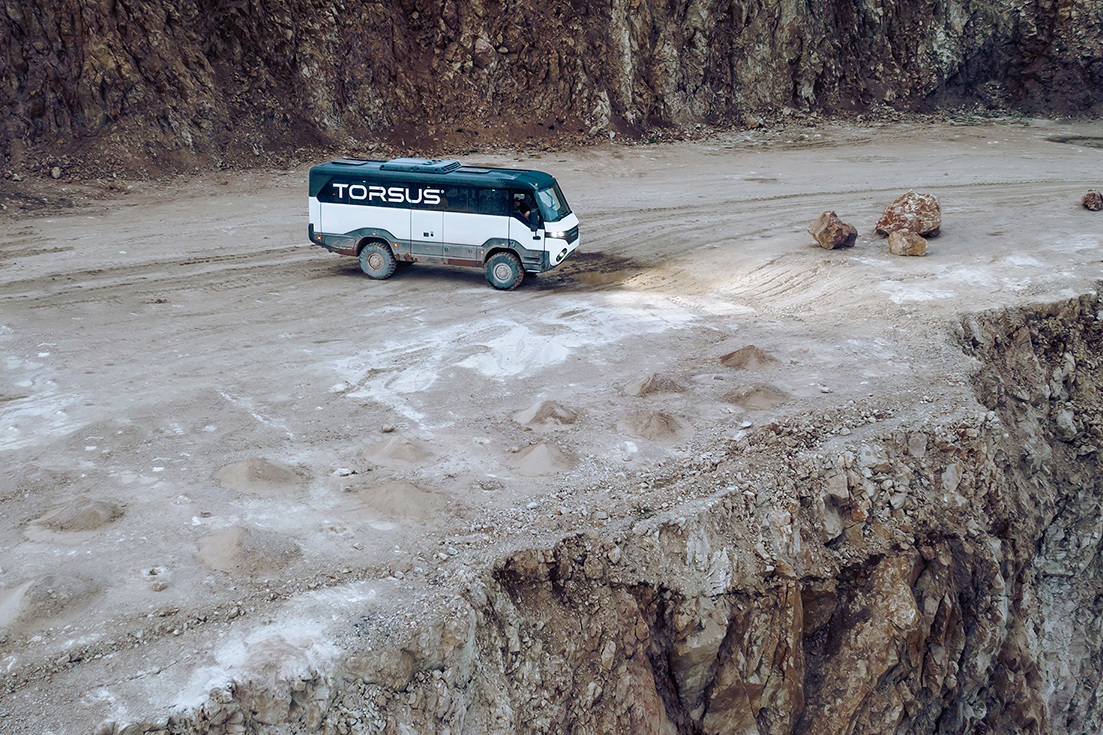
[
  {"x": 504, "y": 271},
  {"x": 377, "y": 261}
]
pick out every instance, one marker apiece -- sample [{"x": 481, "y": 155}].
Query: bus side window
[
  {"x": 458, "y": 199},
  {"x": 523, "y": 207},
  {"x": 493, "y": 201},
  {"x": 335, "y": 192}
]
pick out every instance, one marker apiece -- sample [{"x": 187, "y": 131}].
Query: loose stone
[
  {"x": 831, "y": 232},
  {"x": 919, "y": 213},
  {"x": 906, "y": 242}
]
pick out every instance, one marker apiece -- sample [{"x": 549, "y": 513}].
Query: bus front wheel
[
  {"x": 504, "y": 271},
  {"x": 377, "y": 261}
]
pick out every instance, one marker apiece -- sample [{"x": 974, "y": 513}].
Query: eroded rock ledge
[{"x": 942, "y": 577}]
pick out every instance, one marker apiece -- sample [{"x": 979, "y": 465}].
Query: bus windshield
[{"x": 553, "y": 207}]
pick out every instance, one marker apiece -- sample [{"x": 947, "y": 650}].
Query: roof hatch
[{"x": 420, "y": 165}]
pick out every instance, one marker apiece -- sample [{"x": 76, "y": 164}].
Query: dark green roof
[{"x": 400, "y": 170}]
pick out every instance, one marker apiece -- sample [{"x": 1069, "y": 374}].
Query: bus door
[
  {"x": 525, "y": 226},
  {"x": 427, "y": 232}
]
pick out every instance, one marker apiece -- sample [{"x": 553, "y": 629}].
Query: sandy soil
[{"x": 210, "y": 430}]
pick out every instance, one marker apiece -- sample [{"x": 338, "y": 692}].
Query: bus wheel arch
[
  {"x": 504, "y": 270},
  {"x": 377, "y": 259}
]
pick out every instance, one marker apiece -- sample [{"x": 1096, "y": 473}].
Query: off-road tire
[
  {"x": 377, "y": 261},
  {"x": 504, "y": 271}
]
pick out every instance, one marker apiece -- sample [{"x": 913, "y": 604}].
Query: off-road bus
[{"x": 409, "y": 210}]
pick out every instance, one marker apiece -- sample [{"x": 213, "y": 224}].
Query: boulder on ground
[
  {"x": 831, "y": 232},
  {"x": 484, "y": 54},
  {"x": 906, "y": 242},
  {"x": 919, "y": 213},
  {"x": 1093, "y": 200}
]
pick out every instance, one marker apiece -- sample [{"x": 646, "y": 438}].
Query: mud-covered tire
[
  {"x": 377, "y": 261},
  {"x": 504, "y": 271}
]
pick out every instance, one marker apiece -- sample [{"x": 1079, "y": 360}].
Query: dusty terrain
[{"x": 213, "y": 435}]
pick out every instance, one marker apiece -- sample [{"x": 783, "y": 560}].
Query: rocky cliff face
[
  {"x": 175, "y": 82},
  {"x": 934, "y": 578}
]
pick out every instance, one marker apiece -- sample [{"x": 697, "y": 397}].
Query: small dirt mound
[
  {"x": 247, "y": 551},
  {"x": 43, "y": 599},
  {"x": 542, "y": 459},
  {"x": 546, "y": 415},
  {"x": 655, "y": 426},
  {"x": 258, "y": 476},
  {"x": 757, "y": 397},
  {"x": 749, "y": 358},
  {"x": 653, "y": 383},
  {"x": 79, "y": 514},
  {"x": 400, "y": 499},
  {"x": 398, "y": 451}
]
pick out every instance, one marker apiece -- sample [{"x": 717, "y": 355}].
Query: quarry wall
[{"x": 171, "y": 83}]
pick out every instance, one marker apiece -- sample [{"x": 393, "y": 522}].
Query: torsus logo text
[{"x": 372, "y": 193}]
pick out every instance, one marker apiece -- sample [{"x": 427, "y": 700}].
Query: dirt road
[{"x": 210, "y": 430}]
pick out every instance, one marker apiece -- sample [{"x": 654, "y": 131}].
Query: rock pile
[
  {"x": 42, "y": 601},
  {"x": 757, "y": 397},
  {"x": 655, "y": 426},
  {"x": 247, "y": 552},
  {"x": 749, "y": 358},
  {"x": 258, "y": 476},
  {"x": 399, "y": 499},
  {"x": 79, "y": 514},
  {"x": 908, "y": 220},
  {"x": 542, "y": 459},
  {"x": 651, "y": 384},
  {"x": 398, "y": 451},
  {"x": 546, "y": 415}
]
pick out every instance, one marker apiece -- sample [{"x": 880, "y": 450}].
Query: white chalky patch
[
  {"x": 900, "y": 293},
  {"x": 502, "y": 347}
]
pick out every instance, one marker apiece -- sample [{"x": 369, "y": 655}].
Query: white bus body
[{"x": 506, "y": 221}]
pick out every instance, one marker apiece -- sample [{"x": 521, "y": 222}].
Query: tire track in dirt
[
  {"x": 739, "y": 221},
  {"x": 165, "y": 276},
  {"x": 1029, "y": 187}
]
